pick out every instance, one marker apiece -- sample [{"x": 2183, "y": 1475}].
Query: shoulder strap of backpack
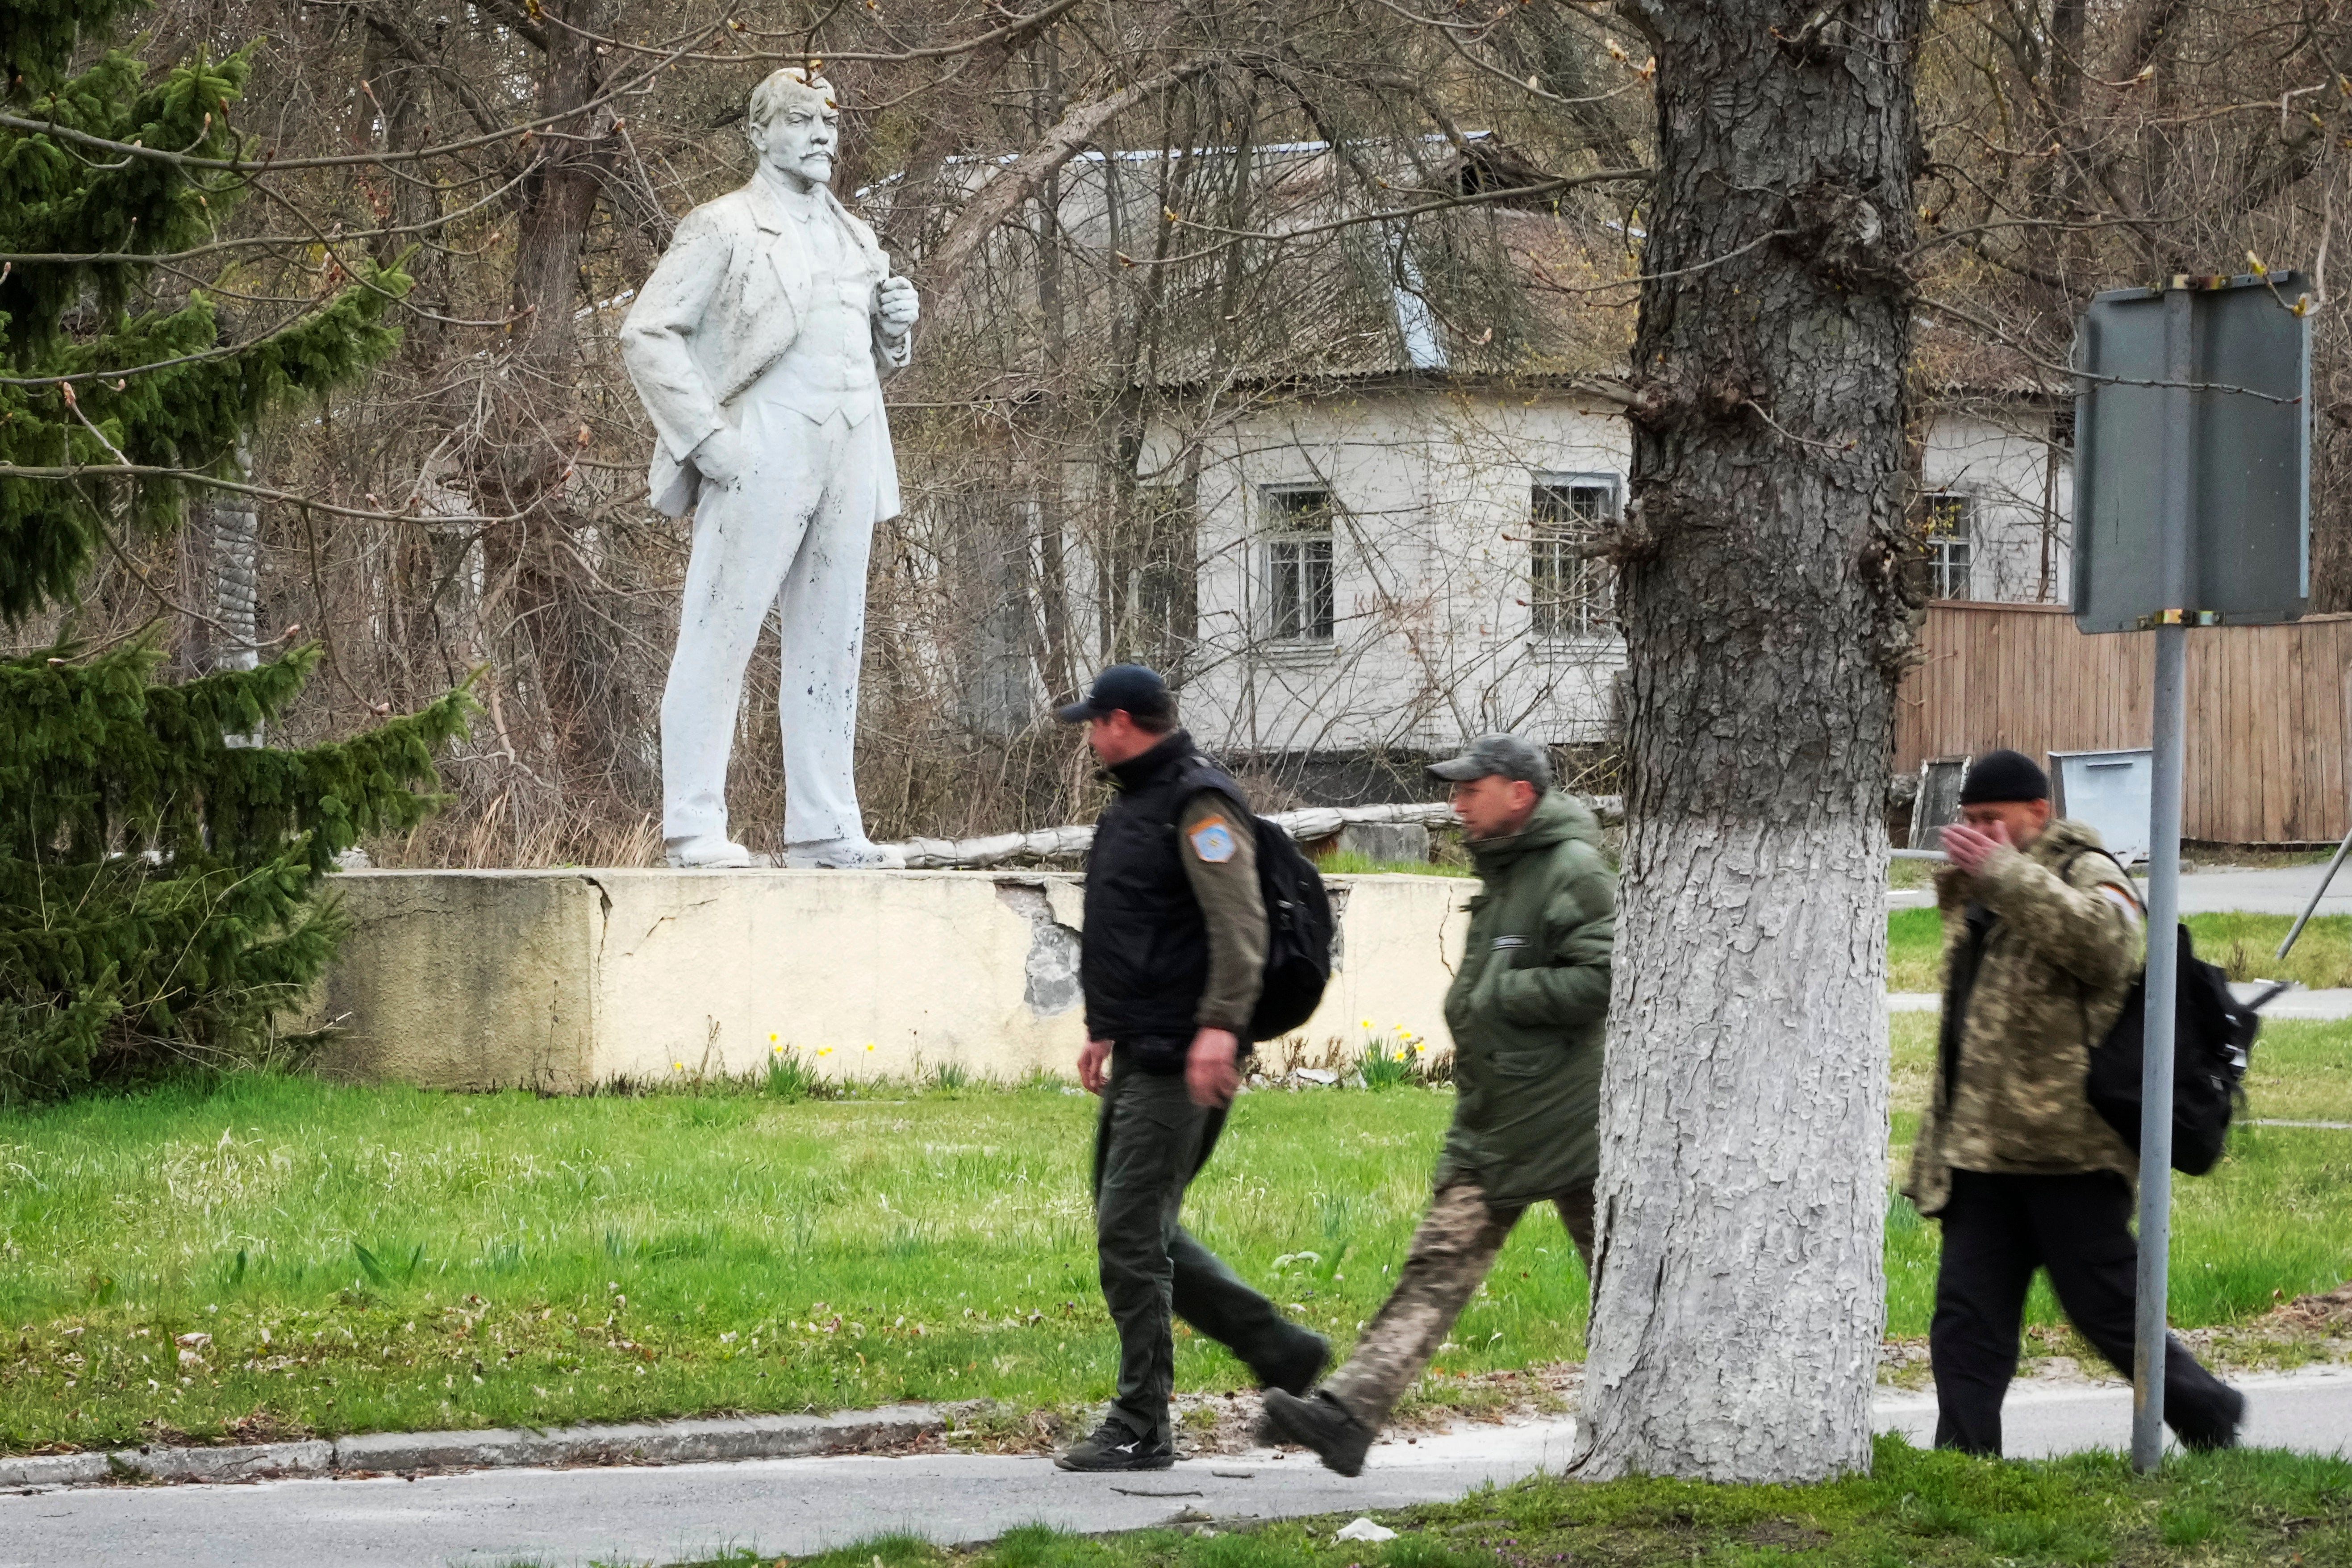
[{"x": 2082, "y": 997}]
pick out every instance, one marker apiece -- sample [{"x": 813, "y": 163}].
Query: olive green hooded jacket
[
  {"x": 1526, "y": 1009},
  {"x": 2062, "y": 940}
]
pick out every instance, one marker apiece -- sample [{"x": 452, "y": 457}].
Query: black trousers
[
  {"x": 1996, "y": 1230},
  {"x": 1150, "y": 1145}
]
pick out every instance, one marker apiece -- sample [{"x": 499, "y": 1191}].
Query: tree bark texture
[
  {"x": 1740, "y": 1298},
  {"x": 227, "y": 540}
]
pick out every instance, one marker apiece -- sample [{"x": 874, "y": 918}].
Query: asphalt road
[{"x": 792, "y": 1507}]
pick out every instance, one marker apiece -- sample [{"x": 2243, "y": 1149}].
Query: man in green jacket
[{"x": 1525, "y": 1010}]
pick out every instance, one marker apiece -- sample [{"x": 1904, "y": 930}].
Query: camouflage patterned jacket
[{"x": 2062, "y": 941}]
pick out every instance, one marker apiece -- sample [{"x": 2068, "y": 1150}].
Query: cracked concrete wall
[
  {"x": 463, "y": 979},
  {"x": 556, "y": 980}
]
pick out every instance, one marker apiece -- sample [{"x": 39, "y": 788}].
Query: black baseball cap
[{"x": 1131, "y": 687}]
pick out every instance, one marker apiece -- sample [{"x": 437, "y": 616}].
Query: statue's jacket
[{"x": 722, "y": 306}]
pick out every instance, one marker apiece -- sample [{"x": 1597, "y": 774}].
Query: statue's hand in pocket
[{"x": 721, "y": 458}]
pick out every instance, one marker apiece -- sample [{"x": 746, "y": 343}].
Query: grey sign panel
[{"x": 2193, "y": 412}]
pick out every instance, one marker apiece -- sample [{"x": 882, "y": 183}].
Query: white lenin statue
[{"x": 759, "y": 345}]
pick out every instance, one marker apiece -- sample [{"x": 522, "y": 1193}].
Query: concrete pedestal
[{"x": 560, "y": 980}]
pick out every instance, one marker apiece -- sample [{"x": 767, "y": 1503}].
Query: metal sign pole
[
  {"x": 2155, "y": 1068},
  {"x": 2169, "y": 741}
]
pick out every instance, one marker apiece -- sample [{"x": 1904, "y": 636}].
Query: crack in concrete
[{"x": 1050, "y": 972}]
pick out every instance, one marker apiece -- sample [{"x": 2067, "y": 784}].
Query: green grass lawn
[
  {"x": 2241, "y": 944},
  {"x": 543, "y": 1260},
  {"x": 2270, "y": 1220},
  {"x": 2222, "y": 1510},
  {"x": 386, "y": 1258}
]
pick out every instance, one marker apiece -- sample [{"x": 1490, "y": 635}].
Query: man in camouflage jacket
[{"x": 2042, "y": 938}]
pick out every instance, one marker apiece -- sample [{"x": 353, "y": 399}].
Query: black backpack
[
  {"x": 2212, "y": 1036},
  {"x": 1299, "y": 932}
]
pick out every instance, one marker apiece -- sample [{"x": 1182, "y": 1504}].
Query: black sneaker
[
  {"x": 1301, "y": 1362},
  {"x": 1320, "y": 1423},
  {"x": 1114, "y": 1447}
]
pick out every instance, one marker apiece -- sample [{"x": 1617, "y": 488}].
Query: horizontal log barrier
[{"x": 1309, "y": 824}]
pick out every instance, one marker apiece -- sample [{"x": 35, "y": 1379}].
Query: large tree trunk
[{"x": 1739, "y": 1301}]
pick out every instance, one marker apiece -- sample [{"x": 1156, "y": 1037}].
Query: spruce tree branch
[
  {"x": 223, "y": 351},
  {"x": 192, "y": 477},
  {"x": 250, "y": 168},
  {"x": 264, "y": 241}
]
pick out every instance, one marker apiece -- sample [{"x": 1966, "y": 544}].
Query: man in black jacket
[{"x": 1174, "y": 953}]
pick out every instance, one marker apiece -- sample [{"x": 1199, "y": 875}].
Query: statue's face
[{"x": 800, "y": 137}]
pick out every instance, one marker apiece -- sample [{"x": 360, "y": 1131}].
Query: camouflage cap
[{"x": 1507, "y": 756}]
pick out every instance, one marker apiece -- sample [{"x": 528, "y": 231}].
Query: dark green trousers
[{"x": 1151, "y": 1144}]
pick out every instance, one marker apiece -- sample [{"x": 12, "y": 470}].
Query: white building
[
  {"x": 1397, "y": 569},
  {"x": 1379, "y": 521},
  {"x": 1997, "y": 495}
]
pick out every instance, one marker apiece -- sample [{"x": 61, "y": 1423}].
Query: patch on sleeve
[
  {"x": 1211, "y": 840},
  {"x": 2122, "y": 900}
]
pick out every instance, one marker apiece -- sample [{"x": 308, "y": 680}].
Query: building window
[
  {"x": 1299, "y": 564},
  {"x": 1569, "y": 589},
  {"x": 1949, "y": 543}
]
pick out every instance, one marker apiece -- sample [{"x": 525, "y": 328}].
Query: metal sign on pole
[{"x": 2192, "y": 508}]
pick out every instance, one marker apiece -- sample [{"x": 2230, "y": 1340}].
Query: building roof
[
  {"x": 1317, "y": 287},
  {"x": 1313, "y": 284}
]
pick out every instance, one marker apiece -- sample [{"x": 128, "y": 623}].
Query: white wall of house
[
  {"x": 1436, "y": 625},
  {"x": 2015, "y": 500},
  {"x": 1433, "y": 633}
]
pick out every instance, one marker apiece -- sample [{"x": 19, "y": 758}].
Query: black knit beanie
[{"x": 2003, "y": 775}]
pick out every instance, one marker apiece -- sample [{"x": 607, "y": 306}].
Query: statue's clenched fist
[{"x": 898, "y": 307}]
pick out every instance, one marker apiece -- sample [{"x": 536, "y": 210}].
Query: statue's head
[{"x": 796, "y": 126}]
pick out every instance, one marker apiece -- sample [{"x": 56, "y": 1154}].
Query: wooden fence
[{"x": 2268, "y": 707}]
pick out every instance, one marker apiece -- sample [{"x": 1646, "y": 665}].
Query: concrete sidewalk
[{"x": 794, "y": 1507}]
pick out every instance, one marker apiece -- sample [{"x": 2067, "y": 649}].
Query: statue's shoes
[
  {"x": 845, "y": 854},
  {"x": 706, "y": 851}
]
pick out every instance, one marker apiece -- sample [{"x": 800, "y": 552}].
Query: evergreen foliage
[
  {"x": 70, "y": 329},
  {"x": 158, "y": 880},
  {"x": 158, "y": 877}
]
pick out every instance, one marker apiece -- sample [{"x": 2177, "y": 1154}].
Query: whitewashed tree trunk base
[{"x": 1742, "y": 1166}]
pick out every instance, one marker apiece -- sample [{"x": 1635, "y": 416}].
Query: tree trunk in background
[
  {"x": 542, "y": 426},
  {"x": 1740, "y": 1301},
  {"x": 226, "y": 535}
]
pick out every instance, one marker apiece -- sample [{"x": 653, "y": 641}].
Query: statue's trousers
[{"x": 791, "y": 534}]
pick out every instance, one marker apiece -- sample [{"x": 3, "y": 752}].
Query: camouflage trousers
[{"x": 1451, "y": 1251}]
